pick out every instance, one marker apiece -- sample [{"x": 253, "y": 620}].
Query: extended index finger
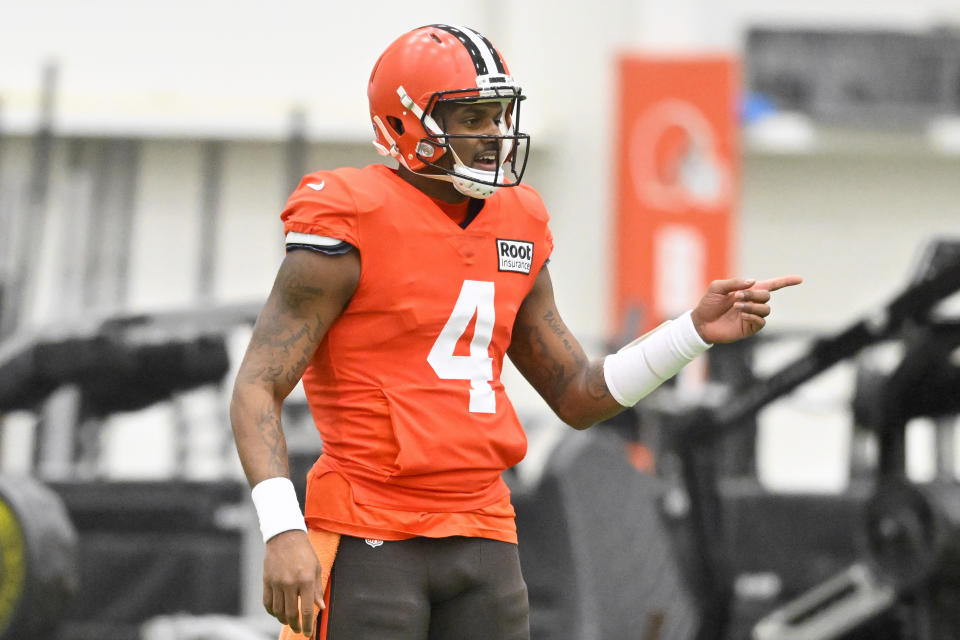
[{"x": 778, "y": 283}]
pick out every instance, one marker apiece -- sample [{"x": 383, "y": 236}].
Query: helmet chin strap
[
  {"x": 464, "y": 179},
  {"x": 473, "y": 189},
  {"x": 464, "y": 185}
]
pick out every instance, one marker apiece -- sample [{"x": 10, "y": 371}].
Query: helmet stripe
[
  {"x": 493, "y": 53},
  {"x": 484, "y": 56}
]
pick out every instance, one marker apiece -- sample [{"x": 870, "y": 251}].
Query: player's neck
[
  {"x": 456, "y": 211},
  {"x": 436, "y": 189}
]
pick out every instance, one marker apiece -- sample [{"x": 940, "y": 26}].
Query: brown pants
[{"x": 424, "y": 589}]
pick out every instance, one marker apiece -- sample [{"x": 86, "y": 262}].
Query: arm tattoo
[
  {"x": 550, "y": 374},
  {"x": 296, "y": 294},
  {"x": 596, "y": 383},
  {"x": 547, "y": 372},
  {"x": 558, "y": 328},
  {"x": 268, "y": 374},
  {"x": 271, "y": 433},
  {"x": 275, "y": 334},
  {"x": 295, "y": 372},
  {"x": 272, "y": 373}
]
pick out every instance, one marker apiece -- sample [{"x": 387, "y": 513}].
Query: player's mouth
[{"x": 485, "y": 160}]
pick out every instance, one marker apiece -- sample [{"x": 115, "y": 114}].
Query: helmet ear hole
[{"x": 395, "y": 124}]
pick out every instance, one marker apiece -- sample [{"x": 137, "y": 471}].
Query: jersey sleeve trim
[
  {"x": 338, "y": 250},
  {"x": 320, "y": 244},
  {"x": 295, "y": 237}
]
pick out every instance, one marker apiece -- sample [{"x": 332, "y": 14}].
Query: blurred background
[{"x": 146, "y": 151}]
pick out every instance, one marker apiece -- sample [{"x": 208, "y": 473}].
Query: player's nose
[{"x": 490, "y": 127}]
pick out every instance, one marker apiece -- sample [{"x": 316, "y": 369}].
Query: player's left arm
[
  {"x": 552, "y": 360},
  {"x": 579, "y": 389}
]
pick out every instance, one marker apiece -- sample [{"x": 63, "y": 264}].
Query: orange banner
[{"x": 677, "y": 184}]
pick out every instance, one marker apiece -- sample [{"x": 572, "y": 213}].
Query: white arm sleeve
[{"x": 643, "y": 365}]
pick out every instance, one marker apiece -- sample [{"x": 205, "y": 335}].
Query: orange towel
[{"x": 325, "y": 545}]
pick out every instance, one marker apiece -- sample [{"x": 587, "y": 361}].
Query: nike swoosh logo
[{"x": 317, "y": 186}]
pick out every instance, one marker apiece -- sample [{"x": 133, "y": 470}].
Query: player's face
[{"x": 477, "y": 119}]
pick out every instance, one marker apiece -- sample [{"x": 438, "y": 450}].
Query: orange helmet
[{"x": 436, "y": 64}]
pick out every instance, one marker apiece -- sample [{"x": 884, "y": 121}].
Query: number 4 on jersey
[{"x": 476, "y": 298}]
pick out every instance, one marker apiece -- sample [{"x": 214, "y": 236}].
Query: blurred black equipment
[
  {"x": 138, "y": 549},
  {"x": 596, "y": 552},
  {"x": 121, "y": 363},
  {"x": 38, "y": 559},
  {"x": 703, "y": 552},
  {"x": 907, "y": 536},
  {"x": 152, "y": 548}
]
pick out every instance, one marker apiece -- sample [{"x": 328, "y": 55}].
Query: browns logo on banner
[{"x": 676, "y": 186}]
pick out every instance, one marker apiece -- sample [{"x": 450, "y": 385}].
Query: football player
[{"x": 400, "y": 294}]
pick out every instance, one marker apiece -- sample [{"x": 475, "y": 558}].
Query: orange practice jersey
[{"x": 405, "y": 387}]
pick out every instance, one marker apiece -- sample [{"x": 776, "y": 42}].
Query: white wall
[
  {"x": 209, "y": 64},
  {"x": 852, "y": 224},
  {"x": 210, "y": 68},
  {"x": 180, "y": 72}
]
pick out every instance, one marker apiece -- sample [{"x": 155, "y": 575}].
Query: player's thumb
[{"x": 318, "y": 589}]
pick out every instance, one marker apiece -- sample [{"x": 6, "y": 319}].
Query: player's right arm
[{"x": 309, "y": 293}]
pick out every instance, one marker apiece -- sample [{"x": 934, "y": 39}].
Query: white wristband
[
  {"x": 643, "y": 365},
  {"x": 277, "y": 507}
]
